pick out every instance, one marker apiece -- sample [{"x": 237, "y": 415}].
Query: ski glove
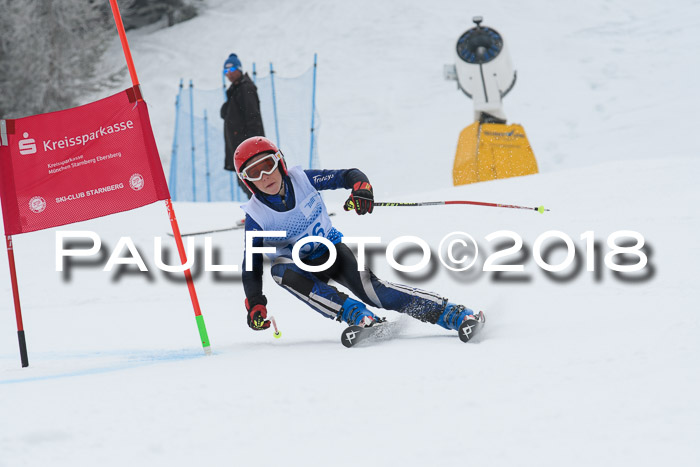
[
  {"x": 361, "y": 199},
  {"x": 256, "y": 316}
]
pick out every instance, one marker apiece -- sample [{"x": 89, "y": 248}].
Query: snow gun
[{"x": 487, "y": 149}]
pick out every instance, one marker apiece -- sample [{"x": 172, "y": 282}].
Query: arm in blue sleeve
[
  {"x": 335, "y": 179},
  {"x": 252, "y": 280}
]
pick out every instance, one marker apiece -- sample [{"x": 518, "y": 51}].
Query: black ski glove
[
  {"x": 361, "y": 199},
  {"x": 257, "y": 315}
]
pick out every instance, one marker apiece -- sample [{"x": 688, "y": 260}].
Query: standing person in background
[{"x": 241, "y": 112}]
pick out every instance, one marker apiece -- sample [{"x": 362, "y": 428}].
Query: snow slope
[{"x": 589, "y": 370}]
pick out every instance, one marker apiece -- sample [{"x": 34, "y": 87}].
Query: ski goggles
[
  {"x": 230, "y": 69},
  {"x": 264, "y": 166}
]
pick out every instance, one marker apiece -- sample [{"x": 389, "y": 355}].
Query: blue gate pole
[
  {"x": 313, "y": 114},
  {"x": 194, "y": 183},
  {"x": 274, "y": 103},
  {"x": 255, "y": 74},
  {"x": 173, "y": 155},
  {"x": 206, "y": 155}
]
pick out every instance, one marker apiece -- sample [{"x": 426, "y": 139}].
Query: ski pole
[
  {"x": 277, "y": 333},
  {"x": 349, "y": 205}
]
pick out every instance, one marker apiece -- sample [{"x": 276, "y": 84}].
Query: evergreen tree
[
  {"x": 48, "y": 53},
  {"x": 143, "y": 12},
  {"x": 49, "y": 49}
]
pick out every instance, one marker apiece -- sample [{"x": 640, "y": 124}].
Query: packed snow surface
[{"x": 576, "y": 368}]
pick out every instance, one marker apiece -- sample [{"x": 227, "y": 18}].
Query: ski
[
  {"x": 471, "y": 327},
  {"x": 353, "y": 335}
]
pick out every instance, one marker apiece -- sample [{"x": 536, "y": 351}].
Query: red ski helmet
[{"x": 250, "y": 148}]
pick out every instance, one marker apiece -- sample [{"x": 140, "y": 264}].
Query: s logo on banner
[{"x": 27, "y": 146}]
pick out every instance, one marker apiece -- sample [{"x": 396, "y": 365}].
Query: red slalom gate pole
[
  {"x": 188, "y": 277},
  {"x": 18, "y": 308},
  {"x": 168, "y": 203},
  {"x": 125, "y": 43}
]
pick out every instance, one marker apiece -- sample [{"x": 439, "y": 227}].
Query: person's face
[
  {"x": 234, "y": 75},
  {"x": 269, "y": 184}
]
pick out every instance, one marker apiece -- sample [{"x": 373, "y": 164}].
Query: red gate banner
[{"x": 78, "y": 164}]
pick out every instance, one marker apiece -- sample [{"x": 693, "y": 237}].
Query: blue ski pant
[{"x": 314, "y": 289}]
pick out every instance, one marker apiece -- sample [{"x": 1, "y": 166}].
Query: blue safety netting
[{"x": 197, "y": 163}]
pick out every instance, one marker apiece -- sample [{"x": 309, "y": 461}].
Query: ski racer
[{"x": 289, "y": 200}]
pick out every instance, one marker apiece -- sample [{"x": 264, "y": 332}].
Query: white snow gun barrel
[{"x": 541, "y": 209}]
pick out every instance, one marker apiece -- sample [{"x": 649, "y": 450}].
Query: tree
[
  {"x": 143, "y": 12},
  {"x": 48, "y": 53},
  {"x": 49, "y": 49}
]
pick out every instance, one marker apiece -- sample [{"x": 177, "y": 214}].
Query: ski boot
[
  {"x": 461, "y": 319},
  {"x": 356, "y": 314},
  {"x": 453, "y": 315}
]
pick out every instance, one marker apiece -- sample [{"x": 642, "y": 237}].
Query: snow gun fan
[{"x": 487, "y": 149}]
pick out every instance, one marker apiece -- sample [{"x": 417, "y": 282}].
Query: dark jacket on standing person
[{"x": 241, "y": 114}]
